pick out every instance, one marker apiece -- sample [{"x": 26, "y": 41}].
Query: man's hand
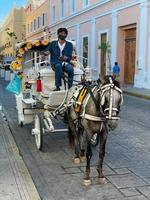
[{"x": 63, "y": 58}]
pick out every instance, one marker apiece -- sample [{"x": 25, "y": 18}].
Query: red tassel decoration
[{"x": 39, "y": 84}]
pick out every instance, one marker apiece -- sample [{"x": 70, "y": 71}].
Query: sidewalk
[
  {"x": 15, "y": 180},
  {"x": 138, "y": 92}
]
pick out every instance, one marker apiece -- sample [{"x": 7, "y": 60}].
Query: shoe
[{"x": 57, "y": 89}]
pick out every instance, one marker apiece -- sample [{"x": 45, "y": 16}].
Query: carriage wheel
[{"x": 39, "y": 135}]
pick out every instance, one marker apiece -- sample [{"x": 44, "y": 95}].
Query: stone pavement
[
  {"x": 127, "y": 159},
  {"x": 15, "y": 180}
]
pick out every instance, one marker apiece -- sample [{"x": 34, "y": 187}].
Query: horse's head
[{"x": 111, "y": 99}]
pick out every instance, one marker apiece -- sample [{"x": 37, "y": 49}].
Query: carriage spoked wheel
[{"x": 38, "y": 131}]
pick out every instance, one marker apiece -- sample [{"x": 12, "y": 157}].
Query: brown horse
[{"x": 98, "y": 114}]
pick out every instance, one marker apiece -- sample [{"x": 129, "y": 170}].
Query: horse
[{"x": 98, "y": 114}]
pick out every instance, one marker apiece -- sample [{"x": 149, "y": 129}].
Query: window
[
  {"x": 43, "y": 19},
  {"x": 28, "y": 28},
  {"x": 62, "y": 8},
  {"x": 85, "y": 3},
  {"x": 72, "y": 5},
  {"x": 85, "y": 51},
  {"x": 103, "y": 60},
  {"x": 39, "y": 22},
  {"x": 34, "y": 24},
  {"x": 53, "y": 14},
  {"x": 31, "y": 27}
]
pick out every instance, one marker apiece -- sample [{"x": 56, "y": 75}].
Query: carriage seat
[{"x": 48, "y": 80}]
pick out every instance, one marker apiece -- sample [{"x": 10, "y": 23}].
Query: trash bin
[
  {"x": 2, "y": 72},
  {"x": 7, "y": 72},
  {"x": 12, "y": 75},
  {"x": 7, "y": 75}
]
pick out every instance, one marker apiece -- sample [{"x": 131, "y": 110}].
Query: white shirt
[{"x": 61, "y": 47}]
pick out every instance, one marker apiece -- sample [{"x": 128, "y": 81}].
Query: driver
[{"x": 61, "y": 55}]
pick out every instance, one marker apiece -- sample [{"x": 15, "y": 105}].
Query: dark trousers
[{"x": 59, "y": 69}]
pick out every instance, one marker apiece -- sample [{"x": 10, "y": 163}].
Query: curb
[
  {"x": 22, "y": 175},
  {"x": 137, "y": 95}
]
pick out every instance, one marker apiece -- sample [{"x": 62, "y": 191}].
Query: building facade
[
  {"x": 37, "y": 19},
  {"x": 11, "y": 32},
  {"x": 107, "y": 31},
  {"x": 122, "y": 24}
]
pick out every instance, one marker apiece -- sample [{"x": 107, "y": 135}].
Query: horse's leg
[
  {"x": 81, "y": 143},
  {"x": 74, "y": 139},
  {"x": 71, "y": 137},
  {"x": 103, "y": 139},
  {"x": 87, "y": 180},
  {"x": 77, "y": 149}
]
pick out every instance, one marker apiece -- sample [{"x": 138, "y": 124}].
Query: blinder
[{"x": 110, "y": 109}]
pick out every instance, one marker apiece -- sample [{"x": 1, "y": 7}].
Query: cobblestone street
[{"x": 127, "y": 157}]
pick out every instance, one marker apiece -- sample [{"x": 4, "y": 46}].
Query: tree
[{"x": 11, "y": 34}]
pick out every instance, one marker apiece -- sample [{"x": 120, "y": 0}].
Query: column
[
  {"x": 93, "y": 38},
  {"x": 148, "y": 65},
  {"x": 141, "y": 72},
  {"x": 78, "y": 40},
  {"x": 114, "y": 38}
]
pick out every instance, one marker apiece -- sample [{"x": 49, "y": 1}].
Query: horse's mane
[{"x": 107, "y": 81}]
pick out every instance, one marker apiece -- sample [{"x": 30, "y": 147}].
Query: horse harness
[
  {"x": 109, "y": 87},
  {"x": 82, "y": 99}
]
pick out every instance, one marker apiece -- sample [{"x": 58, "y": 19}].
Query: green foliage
[
  {"x": 106, "y": 46},
  {"x": 11, "y": 34}
]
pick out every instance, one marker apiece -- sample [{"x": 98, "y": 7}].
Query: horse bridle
[{"x": 110, "y": 87}]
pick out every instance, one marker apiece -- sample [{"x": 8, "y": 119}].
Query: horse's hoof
[
  {"x": 102, "y": 180},
  {"x": 86, "y": 182},
  {"x": 82, "y": 158},
  {"x": 76, "y": 160}
]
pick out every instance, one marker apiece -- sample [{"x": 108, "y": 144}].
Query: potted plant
[{"x": 106, "y": 46}]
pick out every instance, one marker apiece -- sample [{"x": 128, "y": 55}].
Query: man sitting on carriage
[{"x": 61, "y": 55}]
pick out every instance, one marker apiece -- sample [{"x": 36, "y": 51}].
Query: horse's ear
[{"x": 103, "y": 100}]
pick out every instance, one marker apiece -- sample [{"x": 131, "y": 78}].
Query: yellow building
[
  {"x": 11, "y": 32},
  {"x": 37, "y": 14}
]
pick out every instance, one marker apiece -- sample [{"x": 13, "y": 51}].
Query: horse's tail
[{"x": 71, "y": 138}]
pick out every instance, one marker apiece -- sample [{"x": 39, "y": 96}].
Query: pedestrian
[
  {"x": 61, "y": 55},
  {"x": 116, "y": 71}
]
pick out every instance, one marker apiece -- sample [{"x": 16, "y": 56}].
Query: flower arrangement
[
  {"x": 19, "y": 59},
  {"x": 21, "y": 74},
  {"x": 29, "y": 45},
  {"x": 16, "y": 65},
  {"x": 37, "y": 43},
  {"x": 45, "y": 42},
  {"x": 21, "y": 51}
]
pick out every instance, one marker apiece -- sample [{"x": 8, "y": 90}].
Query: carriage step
[{"x": 55, "y": 130}]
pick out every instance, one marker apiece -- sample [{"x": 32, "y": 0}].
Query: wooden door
[
  {"x": 103, "y": 55},
  {"x": 130, "y": 53}
]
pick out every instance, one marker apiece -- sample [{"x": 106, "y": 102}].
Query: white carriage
[{"x": 33, "y": 105}]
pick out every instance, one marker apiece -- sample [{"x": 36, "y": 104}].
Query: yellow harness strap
[{"x": 80, "y": 99}]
